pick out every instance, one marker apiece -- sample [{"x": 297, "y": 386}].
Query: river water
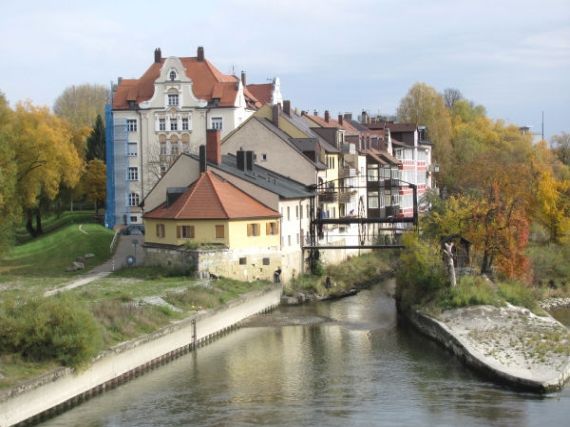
[{"x": 342, "y": 363}]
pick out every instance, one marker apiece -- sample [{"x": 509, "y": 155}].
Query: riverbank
[
  {"x": 509, "y": 344},
  {"x": 62, "y": 388},
  {"x": 340, "y": 280}
]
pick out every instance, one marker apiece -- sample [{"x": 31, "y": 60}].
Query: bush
[
  {"x": 470, "y": 290},
  {"x": 58, "y": 328},
  {"x": 420, "y": 275},
  {"x": 518, "y": 294}
]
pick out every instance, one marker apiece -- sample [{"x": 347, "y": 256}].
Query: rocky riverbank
[
  {"x": 554, "y": 303},
  {"x": 509, "y": 344}
]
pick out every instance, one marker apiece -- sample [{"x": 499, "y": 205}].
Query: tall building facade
[{"x": 153, "y": 119}]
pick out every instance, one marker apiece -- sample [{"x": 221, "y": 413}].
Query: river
[{"x": 342, "y": 363}]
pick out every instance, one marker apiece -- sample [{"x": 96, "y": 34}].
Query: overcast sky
[{"x": 512, "y": 56}]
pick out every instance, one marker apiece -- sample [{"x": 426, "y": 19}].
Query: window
[
  {"x": 264, "y": 157},
  {"x": 271, "y": 229},
  {"x": 132, "y": 149},
  {"x": 161, "y": 124},
  {"x": 289, "y": 240},
  {"x": 253, "y": 229},
  {"x": 301, "y": 211},
  {"x": 288, "y": 213},
  {"x": 172, "y": 75},
  {"x": 185, "y": 123},
  {"x": 308, "y": 212},
  {"x": 372, "y": 173},
  {"x": 172, "y": 99},
  {"x": 134, "y": 219},
  {"x": 133, "y": 174},
  {"x": 134, "y": 199},
  {"x": 185, "y": 232},
  {"x": 132, "y": 125},
  {"x": 373, "y": 200},
  {"x": 297, "y": 212},
  {"x": 162, "y": 169},
  {"x": 173, "y": 124},
  {"x": 174, "y": 149},
  {"x": 243, "y": 261},
  {"x": 217, "y": 123},
  {"x": 163, "y": 149},
  {"x": 265, "y": 261},
  {"x": 160, "y": 231},
  {"x": 297, "y": 238},
  {"x": 220, "y": 232}
]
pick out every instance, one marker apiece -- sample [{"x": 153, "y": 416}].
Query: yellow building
[{"x": 212, "y": 211}]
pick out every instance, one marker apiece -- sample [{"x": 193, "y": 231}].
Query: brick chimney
[
  {"x": 275, "y": 114},
  {"x": 340, "y": 119},
  {"x": 157, "y": 55},
  {"x": 287, "y": 107},
  {"x": 213, "y": 146},
  {"x": 327, "y": 116},
  {"x": 200, "y": 53},
  {"x": 243, "y": 80}
]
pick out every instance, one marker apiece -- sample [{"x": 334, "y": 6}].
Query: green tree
[
  {"x": 96, "y": 141},
  {"x": 561, "y": 146},
  {"x": 424, "y": 106},
  {"x": 81, "y": 104}
]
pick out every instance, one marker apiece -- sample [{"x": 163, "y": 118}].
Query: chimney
[
  {"x": 157, "y": 55},
  {"x": 213, "y": 146},
  {"x": 348, "y": 116},
  {"x": 200, "y": 54},
  {"x": 287, "y": 107},
  {"x": 327, "y": 116},
  {"x": 202, "y": 161},
  {"x": 240, "y": 154},
  {"x": 364, "y": 117},
  {"x": 275, "y": 114},
  {"x": 249, "y": 160},
  {"x": 315, "y": 113},
  {"x": 340, "y": 119},
  {"x": 243, "y": 81}
]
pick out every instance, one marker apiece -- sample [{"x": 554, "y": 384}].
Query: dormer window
[
  {"x": 172, "y": 75},
  {"x": 172, "y": 99}
]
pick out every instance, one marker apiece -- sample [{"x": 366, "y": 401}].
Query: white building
[{"x": 163, "y": 113}]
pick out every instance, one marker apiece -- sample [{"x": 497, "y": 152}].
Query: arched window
[
  {"x": 172, "y": 75},
  {"x": 134, "y": 199}
]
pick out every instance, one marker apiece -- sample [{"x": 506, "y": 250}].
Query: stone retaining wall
[{"x": 61, "y": 389}]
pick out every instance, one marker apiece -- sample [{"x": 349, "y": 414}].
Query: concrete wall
[{"x": 64, "y": 388}]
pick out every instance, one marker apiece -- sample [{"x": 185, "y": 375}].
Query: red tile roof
[
  {"x": 207, "y": 83},
  {"x": 262, "y": 92},
  {"x": 212, "y": 197}
]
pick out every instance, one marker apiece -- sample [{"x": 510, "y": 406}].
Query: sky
[{"x": 512, "y": 56}]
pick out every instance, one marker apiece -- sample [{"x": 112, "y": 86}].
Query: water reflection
[{"x": 343, "y": 363}]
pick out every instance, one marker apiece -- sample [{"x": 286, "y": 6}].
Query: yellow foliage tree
[
  {"x": 93, "y": 182},
  {"x": 46, "y": 159}
]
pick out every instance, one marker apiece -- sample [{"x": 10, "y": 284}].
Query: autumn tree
[
  {"x": 93, "y": 183},
  {"x": 96, "y": 141},
  {"x": 81, "y": 104},
  {"x": 561, "y": 146},
  {"x": 9, "y": 209},
  {"x": 424, "y": 106},
  {"x": 46, "y": 160},
  {"x": 451, "y": 96}
]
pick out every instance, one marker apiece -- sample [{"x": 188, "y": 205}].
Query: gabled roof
[
  {"x": 263, "y": 92},
  {"x": 212, "y": 197},
  {"x": 207, "y": 83},
  {"x": 332, "y": 123},
  {"x": 400, "y": 127}
]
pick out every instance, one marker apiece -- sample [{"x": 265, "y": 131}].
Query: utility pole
[{"x": 542, "y": 127}]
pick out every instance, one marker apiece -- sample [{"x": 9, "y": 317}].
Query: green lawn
[
  {"x": 41, "y": 263},
  {"x": 54, "y": 222}
]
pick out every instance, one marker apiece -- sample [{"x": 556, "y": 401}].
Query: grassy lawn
[
  {"x": 40, "y": 264},
  {"x": 54, "y": 222}
]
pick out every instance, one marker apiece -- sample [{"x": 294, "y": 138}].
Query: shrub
[
  {"x": 59, "y": 328},
  {"x": 470, "y": 290},
  {"x": 518, "y": 294},
  {"x": 420, "y": 275}
]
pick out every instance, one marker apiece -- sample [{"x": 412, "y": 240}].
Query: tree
[
  {"x": 93, "y": 182},
  {"x": 96, "y": 141},
  {"x": 46, "y": 159},
  {"x": 451, "y": 96},
  {"x": 81, "y": 104},
  {"x": 9, "y": 208},
  {"x": 561, "y": 146},
  {"x": 424, "y": 106}
]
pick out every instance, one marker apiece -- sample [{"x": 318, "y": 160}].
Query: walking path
[{"x": 125, "y": 248}]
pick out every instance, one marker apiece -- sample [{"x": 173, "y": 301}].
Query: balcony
[{"x": 328, "y": 196}]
